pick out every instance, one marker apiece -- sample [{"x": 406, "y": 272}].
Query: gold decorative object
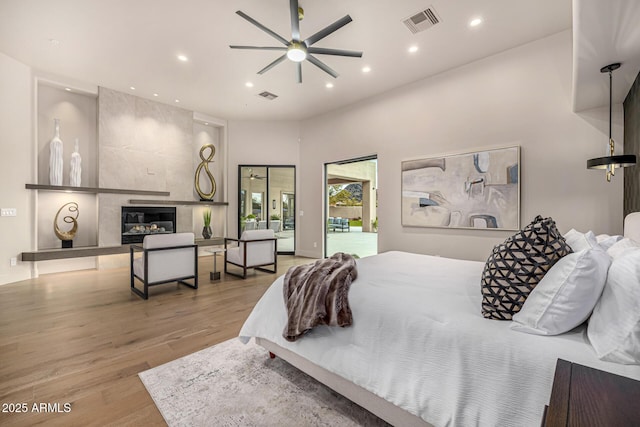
[
  {"x": 205, "y": 164},
  {"x": 67, "y": 236}
]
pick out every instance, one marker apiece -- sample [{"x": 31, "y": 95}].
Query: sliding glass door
[{"x": 266, "y": 199}]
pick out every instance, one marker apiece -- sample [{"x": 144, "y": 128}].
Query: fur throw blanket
[{"x": 317, "y": 294}]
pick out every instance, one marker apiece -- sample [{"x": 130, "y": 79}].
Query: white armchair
[
  {"x": 165, "y": 258},
  {"x": 255, "y": 249}
]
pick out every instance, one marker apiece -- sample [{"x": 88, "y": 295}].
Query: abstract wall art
[{"x": 479, "y": 190}]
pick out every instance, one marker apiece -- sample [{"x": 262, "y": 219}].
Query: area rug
[{"x": 232, "y": 384}]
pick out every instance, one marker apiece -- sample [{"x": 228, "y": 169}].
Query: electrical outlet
[
  {"x": 301, "y": 213},
  {"x": 315, "y": 244},
  {"x": 9, "y": 212},
  {"x": 13, "y": 261}
]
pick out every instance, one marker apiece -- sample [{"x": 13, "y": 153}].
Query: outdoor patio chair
[{"x": 275, "y": 225}]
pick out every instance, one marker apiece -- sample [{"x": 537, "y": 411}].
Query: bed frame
[
  {"x": 371, "y": 402},
  {"x": 375, "y": 404}
]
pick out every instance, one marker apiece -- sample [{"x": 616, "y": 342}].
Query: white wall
[
  {"x": 17, "y": 169},
  {"x": 259, "y": 143},
  {"x": 519, "y": 97}
]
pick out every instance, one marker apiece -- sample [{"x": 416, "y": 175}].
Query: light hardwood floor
[{"x": 82, "y": 338}]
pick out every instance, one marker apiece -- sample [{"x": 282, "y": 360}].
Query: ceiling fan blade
[
  {"x": 328, "y": 30},
  {"x": 273, "y": 64},
  {"x": 263, "y": 28},
  {"x": 258, "y": 47},
  {"x": 299, "y": 72},
  {"x": 324, "y": 67},
  {"x": 295, "y": 21},
  {"x": 338, "y": 52}
]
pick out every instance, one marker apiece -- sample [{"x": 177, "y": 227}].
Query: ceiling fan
[
  {"x": 298, "y": 50},
  {"x": 253, "y": 176}
]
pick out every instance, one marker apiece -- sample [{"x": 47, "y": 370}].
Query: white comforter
[{"x": 419, "y": 341}]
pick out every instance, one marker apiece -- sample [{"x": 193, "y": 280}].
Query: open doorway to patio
[{"x": 351, "y": 219}]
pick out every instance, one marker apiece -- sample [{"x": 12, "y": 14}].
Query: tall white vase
[
  {"x": 75, "y": 167},
  {"x": 55, "y": 157}
]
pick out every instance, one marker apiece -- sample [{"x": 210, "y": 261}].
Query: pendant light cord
[{"x": 610, "y": 100}]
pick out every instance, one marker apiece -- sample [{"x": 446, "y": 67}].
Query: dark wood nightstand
[{"x": 583, "y": 396}]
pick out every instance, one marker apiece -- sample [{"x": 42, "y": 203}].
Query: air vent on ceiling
[
  {"x": 422, "y": 20},
  {"x": 268, "y": 95}
]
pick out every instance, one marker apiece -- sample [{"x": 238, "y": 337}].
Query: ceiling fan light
[{"x": 297, "y": 52}]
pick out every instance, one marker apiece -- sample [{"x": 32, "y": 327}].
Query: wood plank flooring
[{"x": 82, "y": 337}]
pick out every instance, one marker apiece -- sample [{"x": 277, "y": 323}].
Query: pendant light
[{"x": 611, "y": 162}]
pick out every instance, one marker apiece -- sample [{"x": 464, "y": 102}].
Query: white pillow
[
  {"x": 619, "y": 247},
  {"x": 566, "y": 295},
  {"x": 614, "y": 327},
  {"x": 605, "y": 241},
  {"x": 579, "y": 241}
]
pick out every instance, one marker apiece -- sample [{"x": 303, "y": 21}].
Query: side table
[
  {"x": 215, "y": 274},
  {"x": 583, "y": 396}
]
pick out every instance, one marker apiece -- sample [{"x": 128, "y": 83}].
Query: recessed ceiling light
[
  {"x": 54, "y": 42},
  {"x": 67, "y": 89},
  {"x": 413, "y": 49},
  {"x": 132, "y": 88},
  {"x": 155, "y": 94},
  {"x": 329, "y": 85},
  {"x": 366, "y": 69},
  {"x": 177, "y": 100},
  {"x": 475, "y": 22},
  {"x": 206, "y": 123},
  {"x": 183, "y": 58},
  {"x": 248, "y": 84}
]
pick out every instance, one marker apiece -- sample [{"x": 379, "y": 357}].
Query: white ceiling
[
  {"x": 604, "y": 32},
  {"x": 123, "y": 43}
]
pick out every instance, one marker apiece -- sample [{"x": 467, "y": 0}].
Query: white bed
[{"x": 419, "y": 351}]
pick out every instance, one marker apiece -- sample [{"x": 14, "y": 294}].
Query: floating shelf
[
  {"x": 49, "y": 254},
  {"x": 176, "y": 202},
  {"x": 94, "y": 190}
]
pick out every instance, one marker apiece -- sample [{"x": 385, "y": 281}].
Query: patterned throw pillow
[{"x": 516, "y": 266}]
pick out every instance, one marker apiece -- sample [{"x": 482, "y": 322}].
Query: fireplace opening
[{"x": 139, "y": 221}]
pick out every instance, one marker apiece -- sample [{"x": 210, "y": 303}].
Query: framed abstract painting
[{"x": 479, "y": 190}]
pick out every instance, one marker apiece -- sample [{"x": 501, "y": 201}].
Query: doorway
[
  {"x": 351, "y": 204},
  {"x": 266, "y": 199}
]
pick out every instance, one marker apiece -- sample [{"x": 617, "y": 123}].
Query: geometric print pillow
[{"x": 516, "y": 266}]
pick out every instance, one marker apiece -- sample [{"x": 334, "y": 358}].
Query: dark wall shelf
[
  {"x": 94, "y": 190},
  {"x": 49, "y": 254},
  {"x": 176, "y": 202}
]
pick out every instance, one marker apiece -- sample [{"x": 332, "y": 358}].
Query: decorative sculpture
[
  {"x": 205, "y": 164},
  {"x": 67, "y": 236},
  {"x": 75, "y": 167},
  {"x": 55, "y": 156}
]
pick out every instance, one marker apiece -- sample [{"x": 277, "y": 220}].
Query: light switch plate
[{"x": 9, "y": 212}]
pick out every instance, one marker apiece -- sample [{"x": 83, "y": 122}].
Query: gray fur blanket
[{"x": 317, "y": 294}]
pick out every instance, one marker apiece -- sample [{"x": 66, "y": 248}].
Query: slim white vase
[
  {"x": 55, "y": 157},
  {"x": 75, "y": 167}
]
